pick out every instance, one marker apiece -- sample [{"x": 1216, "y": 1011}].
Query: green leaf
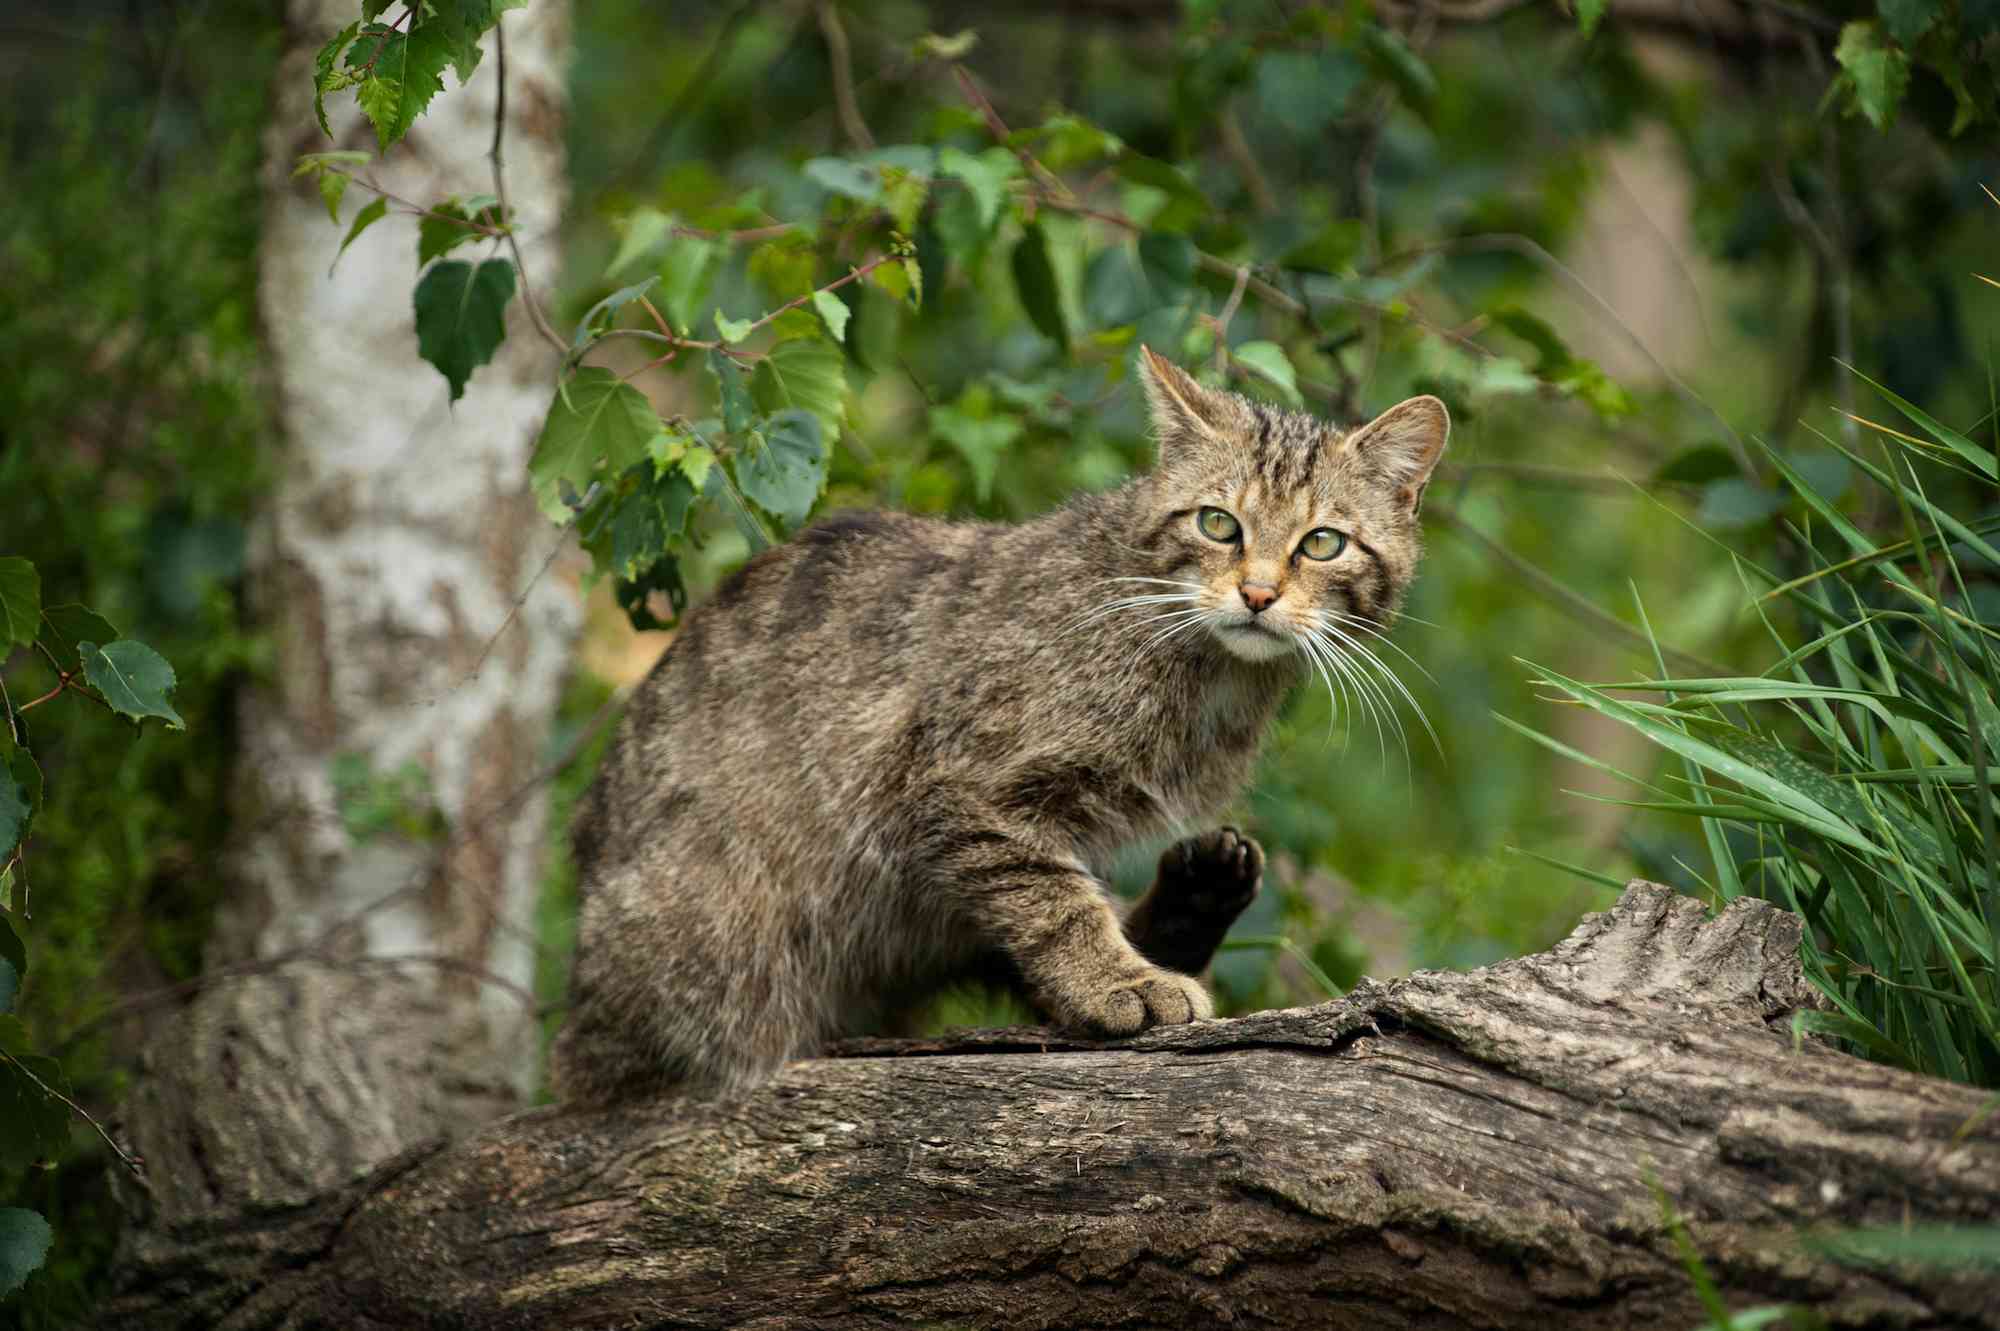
[
  {"x": 1875, "y": 73},
  {"x": 1271, "y": 363},
  {"x": 1062, "y": 142},
  {"x": 20, "y": 796},
  {"x": 1151, "y": 171},
  {"x": 986, "y": 177},
  {"x": 634, "y": 595},
  {"x": 844, "y": 177},
  {"x": 1590, "y": 13},
  {"x": 323, "y": 63},
  {"x": 903, "y": 195},
  {"x": 1908, "y": 20},
  {"x": 602, "y": 314},
  {"x": 651, "y": 518},
  {"x": 687, "y": 269},
  {"x": 37, "y": 1122},
  {"x": 20, "y": 603},
  {"x": 732, "y": 330},
  {"x": 133, "y": 678},
  {"x": 64, "y": 627},
  {"x": 364, "y": 219},
  {"x": 24, "y": 1245},
  {"x": 979, "y": 440},
  {"x": 1331, "y": 250},
  {"x": 1035, "y": 279},
  {"x": 834, "y": 311},
  {"x": 783, "y": 466},
  {"x": 443, "y": 229},
  {"x": 412, "y": 66},
  {"x": 596, "y": 421},
  {"x": 13, "y": 956},
  {"x": 645, "y": 232},
  {"x": 462, "y": 23},
  {"x": 332, "y": 185},
  {"x": 807, "y": 373},
  {"x": 1393, "y": 58},
  {"x": 378, "y": 99},
  {"x": 313, "y": 164},
  {"x": 902, "y": 279},
  {"x": 1168, "y": 261},
  {"x": 695, "y": 464},
  {"x": 737, "y": 409},
  {"x": 462, "y": 316},
  {"x": 933, "y": 46}
]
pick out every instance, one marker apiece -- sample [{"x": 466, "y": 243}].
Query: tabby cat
[{"x": 885, "y": 756}]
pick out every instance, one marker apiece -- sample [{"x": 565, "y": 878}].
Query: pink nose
[{"x": 1258, "y": 596}]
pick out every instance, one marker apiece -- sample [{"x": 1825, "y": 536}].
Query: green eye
[
  {"x": 1322, "y": 543},
  {"x": 1217, "y": 525}
]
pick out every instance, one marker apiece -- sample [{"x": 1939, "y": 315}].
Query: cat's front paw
[
  {"x": 1154, "y": 997},
  {"x": 1212, "y": 877}
]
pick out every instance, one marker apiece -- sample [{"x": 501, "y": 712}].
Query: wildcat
[{"x": 883, "y": 756}]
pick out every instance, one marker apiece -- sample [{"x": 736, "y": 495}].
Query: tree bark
[
  {"x": 1452, "y": 1149},
  {"x": 370, "y": 985}
]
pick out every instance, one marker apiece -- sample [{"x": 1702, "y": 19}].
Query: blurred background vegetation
[{"x": 1630, "y": 259}]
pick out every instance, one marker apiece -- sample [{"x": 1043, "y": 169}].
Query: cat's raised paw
[{"x": 1211, "y": 877}]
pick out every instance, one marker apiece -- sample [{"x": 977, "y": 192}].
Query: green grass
[{"x": 1852, "y": 780}]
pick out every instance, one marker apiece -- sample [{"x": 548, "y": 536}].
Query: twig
[
  {"x": 138, "y": 1170},
  {"x": 998, "y": 129},
  {"x": 1263, "y": 200},
  {"x": 842, "y": 60},
  {"x": 417, "y": 209},
  {"x": 500, "y": 189}
]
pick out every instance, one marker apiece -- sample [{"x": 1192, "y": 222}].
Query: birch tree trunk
[
  {"x": 372, "y": 983},
  {"x": 1476, "y": 1149}
]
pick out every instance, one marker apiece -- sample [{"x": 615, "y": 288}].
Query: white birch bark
[{"x": 399, "y": 540}]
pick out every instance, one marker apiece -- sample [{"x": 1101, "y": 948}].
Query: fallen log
[{"x": 1486, "y": 1148}]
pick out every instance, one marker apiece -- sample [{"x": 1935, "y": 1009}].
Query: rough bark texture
[
  {"x": 1454, "y": 1149},
  {"x": 376, "y": 983}
]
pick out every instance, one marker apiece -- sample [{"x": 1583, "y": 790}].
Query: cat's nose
[{"x": 1258, "y": 596}]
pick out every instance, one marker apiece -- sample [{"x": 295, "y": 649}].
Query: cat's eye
[
  {"x": 1322, "y": 543},
  {"x": 1217, "y": 525}
]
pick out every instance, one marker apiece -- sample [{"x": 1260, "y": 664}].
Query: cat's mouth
[{"x": 1253, "y": 639}]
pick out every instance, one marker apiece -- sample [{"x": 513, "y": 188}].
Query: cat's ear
[
  {"x": 1181, "y": 408},
  {"x": 1402, "y": 446}
]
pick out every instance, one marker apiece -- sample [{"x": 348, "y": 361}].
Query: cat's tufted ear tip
[
  {"x": 1404, "y": 443},
  {"x": 1179, "y": 405}
]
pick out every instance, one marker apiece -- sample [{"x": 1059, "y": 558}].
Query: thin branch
[
  {"x": 842, "y": 60},
  {"x": 500, "y": 190},
  {"x": 138, "y": 1170},
  {"x": 1263, "y": 199}
]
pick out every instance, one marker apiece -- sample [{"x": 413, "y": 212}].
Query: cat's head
[{"x": 1278, "y": 527}]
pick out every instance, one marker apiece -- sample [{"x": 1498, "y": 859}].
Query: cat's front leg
[
  {"x": 1204, "y": 883},
  {"x": 1056, "y": 924}
]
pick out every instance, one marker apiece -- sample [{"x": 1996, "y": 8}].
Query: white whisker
[
  {"x": 1375, "y": 632},
  {"x": 1380, "y": 705},
  {"x": 1369, "y": 660}
]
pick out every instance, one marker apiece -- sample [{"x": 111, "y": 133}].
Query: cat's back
[{"x": 792, "y": 675}]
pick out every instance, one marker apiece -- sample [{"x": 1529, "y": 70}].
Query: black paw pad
[{"x": 1212, "y": 876}]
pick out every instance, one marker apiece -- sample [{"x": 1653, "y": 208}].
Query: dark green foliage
[
  {"x": 461, "y": 316},
  {"x": 130, "y": 427}
]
